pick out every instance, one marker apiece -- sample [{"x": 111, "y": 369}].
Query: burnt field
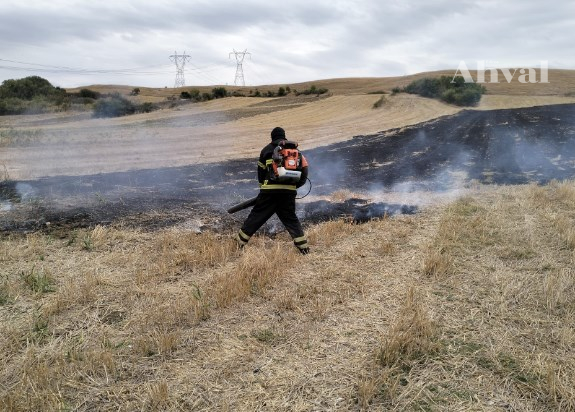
[{"x": 514, "y": 146}]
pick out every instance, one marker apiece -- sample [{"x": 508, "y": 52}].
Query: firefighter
[{"x": 276, "y": 196}]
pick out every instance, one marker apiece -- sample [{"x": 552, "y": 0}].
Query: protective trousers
[{"x": 283, "y": 205}]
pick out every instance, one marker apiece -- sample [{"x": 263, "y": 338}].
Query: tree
[
  {"x": 31, "y": 95},
  {"x": 28, "y": 88}
]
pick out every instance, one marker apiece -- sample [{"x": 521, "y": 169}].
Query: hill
[{"x": 561, "y": 83}]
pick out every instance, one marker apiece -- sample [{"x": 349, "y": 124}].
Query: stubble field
[{"x": 464, "y": 305}]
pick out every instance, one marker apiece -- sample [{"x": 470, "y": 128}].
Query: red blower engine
[{"x": 286, "y": 164}]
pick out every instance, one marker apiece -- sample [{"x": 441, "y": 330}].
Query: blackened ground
[
  {"x": 355, "y": 210},
  {"x": 501, "y": 147},
  {"x": 512, "y": 146}
]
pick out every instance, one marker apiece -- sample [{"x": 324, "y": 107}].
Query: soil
[{"x": 514, "y": 146}]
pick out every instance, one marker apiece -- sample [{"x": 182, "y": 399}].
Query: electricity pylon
[
  {"x": 180, "y": 61},
  {"x": 240, "y": 56}
]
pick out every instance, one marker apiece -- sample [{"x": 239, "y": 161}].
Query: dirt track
[{"x": 502, "y": 146}]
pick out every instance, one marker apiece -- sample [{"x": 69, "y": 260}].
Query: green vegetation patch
[
  {"x": 38, "y": 281},
  {"x": 312, "y": 90},
  {"x": 29, "y": 95},
  {"x": 450, "y": 90}
]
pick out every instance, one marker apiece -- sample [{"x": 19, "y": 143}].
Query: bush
[
  {"x": 195, "y": 94},
  {"x": 12, "y": 105},
  {"x": 114, "y": 106},
  {"x": 15, "y": 106},
  {"x": 281, "y": 91},
  {"x": 90, "y": 94},
  {"x": 31, "y": 95},
  {"x": 312, "y": 90},
  {"x": 425, "y": 87},
  {"x": 450, "y": 90},
  {"x": 379, "y": 102},
  {"x": 38, "y": 105},
  {"x": 147, "y": 107},
  {"x": 76, "y": 100},
  {"x": 219, "y": 92}
]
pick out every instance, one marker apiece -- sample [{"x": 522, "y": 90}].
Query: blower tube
[{"x": 243, "y": 205}]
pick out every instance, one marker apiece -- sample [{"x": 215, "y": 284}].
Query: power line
[
  {"x": 180, "y": 61},
  {"x": 239, "y": 79},
  {"x": 202, "y": 72},
  {"x": 85, "y": 72},
  {"x": 74, "y": 70},
  {"x": 264, "y": 79}
]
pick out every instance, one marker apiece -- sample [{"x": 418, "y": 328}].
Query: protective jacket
[
  {"x": 276, "y": 197},
  {"x": 266, "y": 176}
]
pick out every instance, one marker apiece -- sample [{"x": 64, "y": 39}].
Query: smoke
[
  {"x": 14, "y": 192},
  {"x": 26, "y": 191},
  {"x": 441, "y": 160},
  {"x": 107, "y": 168},
  {"x": 397, "y": 172},
  {"x": 328, "y": 173}
]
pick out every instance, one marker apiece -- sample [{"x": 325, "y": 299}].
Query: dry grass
[
  {"x": 465, "y": 306},
  {"x": 437, "y": 263},
  {"x": 410, "y": 341},
  {"x": 252, "y": 274},
  {"x": 502, "y": 305},
  {"x": 411, "y": 337}
]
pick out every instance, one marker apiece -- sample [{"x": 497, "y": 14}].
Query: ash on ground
[
  {"x": 354, "y": 210},
  {"x": 440, "y": 157}
]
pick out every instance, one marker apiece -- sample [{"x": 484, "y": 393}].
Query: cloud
[{"x": 289, "y": 41}]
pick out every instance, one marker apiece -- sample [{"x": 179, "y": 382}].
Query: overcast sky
[{"x": 84, "y": 42}]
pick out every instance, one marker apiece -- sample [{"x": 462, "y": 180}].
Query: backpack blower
[{"x": 284, "y": 169}]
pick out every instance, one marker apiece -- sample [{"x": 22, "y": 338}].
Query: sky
[{"x": 129, "y": 42}]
